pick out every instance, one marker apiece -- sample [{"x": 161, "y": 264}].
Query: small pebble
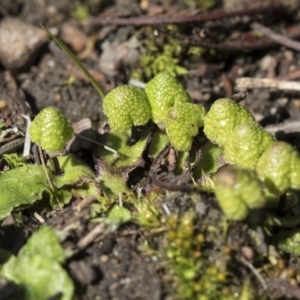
[
  {"x": 3, "y": 104},
  {"x": 20, "y": 43}
]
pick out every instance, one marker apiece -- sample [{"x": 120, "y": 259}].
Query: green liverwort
[
  {"x": 51, "y": 130},
  {"x": 279, "y": 168},
  {"x": 238, "y": 191},
  {"x": 246, "y": 143},
  {"x": 163, "y": 92},
  {"x": 222, "y": 118},
  {"x": 125, "y": 106},
  {"x": 182, "y": 123}
]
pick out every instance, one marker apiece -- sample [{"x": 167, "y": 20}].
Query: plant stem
[
  {"x": 57, "y": 169},
  {"x": 47, "y": 176}
]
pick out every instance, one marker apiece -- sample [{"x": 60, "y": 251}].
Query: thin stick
[
  {"x": 91, "y": 236},
  {"x": 255, "y": 272},
  {"x": 245, "y": 83},
  {"x": 288, "y": 127},
  {"x": 178, "y": 19},
  {"x": 27, "y": 141},
  {"x": 276, "y": 37},
  {"x": 39, "y": 218},
  {"x": 57, "y": 170},
  {"x": 97, "y": 143}
]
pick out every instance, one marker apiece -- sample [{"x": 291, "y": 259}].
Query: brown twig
[
  {"x": 57, "y": 169},
  {"x": 287, "y": 128},
  {"x": 255, "y": 272},
  {"x": 278, "y": 38},
  {"x": 284, "y": 287},
  {"x": 179, "y": 19},
  {"x": 262, "y": 43},
  {"x": 290, "y": 76},
  {"x": 245, "y": 83},
  {"x": 91, "y": 236}
]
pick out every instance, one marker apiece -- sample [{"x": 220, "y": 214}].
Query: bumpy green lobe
[
  {"x": 51, "y": 130},
  {"x": 222, "y": 118},
  {"x": 126, "y": 106},
  {"x": 37, "y": 268},
  {"x": 246, "y": 144},
  {"x": 279, "y": 168},
  {"x": 182, "y": 123},
  {"x": 163, "y": 92},
  {"x": 238, "y": 191}
]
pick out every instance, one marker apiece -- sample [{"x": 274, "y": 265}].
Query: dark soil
[{"x": 120, "y": 265}]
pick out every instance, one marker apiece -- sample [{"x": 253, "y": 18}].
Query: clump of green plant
[
  {"x": 238, "y": 188},
  {"x": 26, "y": 183},
  {"x": 164, "y": 91},
  {"x": 165, "y": 101},
  {"x": 156, "y": 59},
  {"x": 241, "y": 140},
  {"x": 247, "y": 145},
  {"x": 233, "y": 127}
]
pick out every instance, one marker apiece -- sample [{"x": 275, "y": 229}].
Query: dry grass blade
[{"x": 95, "y": 84}]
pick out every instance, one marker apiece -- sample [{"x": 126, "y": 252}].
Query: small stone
[
  {"x": 3, "y": 104},
  {"x": 20, "y": 43}
]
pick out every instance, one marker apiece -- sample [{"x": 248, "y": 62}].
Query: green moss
[
  {"x": 196, "y": 277},
  {"x": 160, "y": 58}
]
